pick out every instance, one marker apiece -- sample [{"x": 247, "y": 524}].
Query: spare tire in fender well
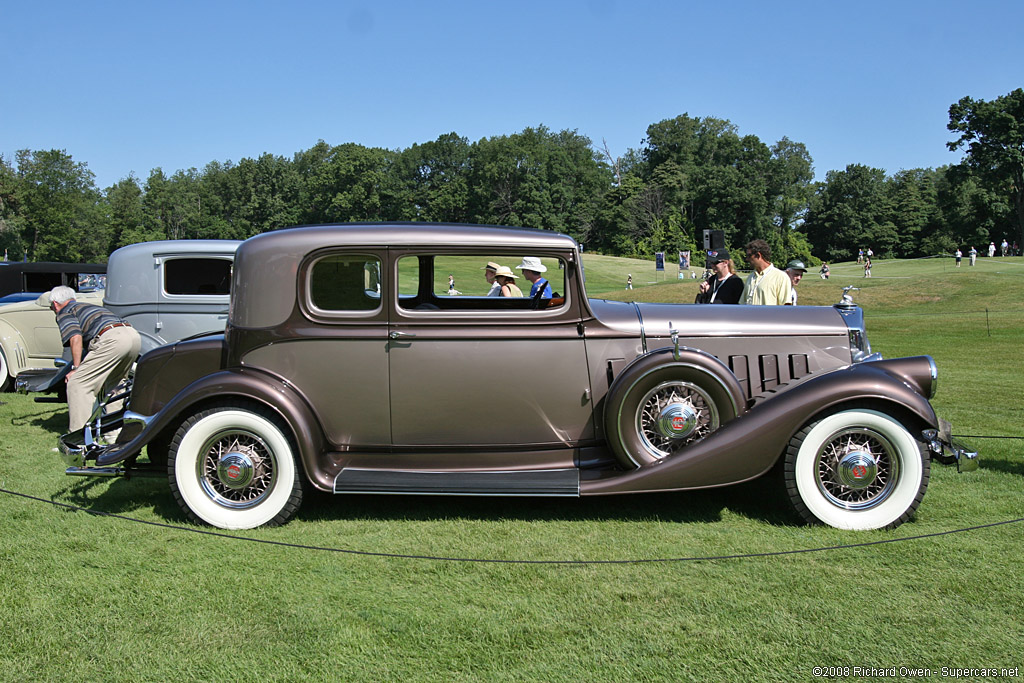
[{"x": 663, "y": 402}]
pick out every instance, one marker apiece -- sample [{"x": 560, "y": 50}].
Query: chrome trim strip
[
  {"x": 562, "y": 482},
  {"x": 95, "y": 472},
  {"x": 643, "y": 332}
]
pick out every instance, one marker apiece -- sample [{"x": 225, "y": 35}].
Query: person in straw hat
[
  {"x": 490, "y": 270},
  {"x": 507, "y": 279}
]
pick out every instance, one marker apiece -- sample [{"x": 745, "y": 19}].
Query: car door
[
  {"x": 334, "y": 350},
  {"x": 469, "y": 370},
  {"x": 194, "y": 297}
]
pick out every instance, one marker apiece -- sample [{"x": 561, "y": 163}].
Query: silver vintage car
[
  {"x": 351, "y": 364},
  {"x": 168, "y": 290}
]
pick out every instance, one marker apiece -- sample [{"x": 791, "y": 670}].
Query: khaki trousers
[{"x": 109, "y": 359}]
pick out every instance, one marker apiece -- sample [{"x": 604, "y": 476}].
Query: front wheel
[
  {"x": 856, "y": 469},
  {"x": 234, "y": 468}
]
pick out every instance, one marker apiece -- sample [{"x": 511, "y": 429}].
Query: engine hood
[{"x": 696, "y": 320}]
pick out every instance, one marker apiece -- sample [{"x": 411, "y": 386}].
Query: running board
[{"x": 563, "y": 482}]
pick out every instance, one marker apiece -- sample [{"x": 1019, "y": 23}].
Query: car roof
[
  {"x": 411, "y": 234},
  {"x": 130, "y": 277},
  {"x": 265, "y": 262},
  {"x": 14, "y": 275}
]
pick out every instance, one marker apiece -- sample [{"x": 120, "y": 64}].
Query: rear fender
[
  {"x": 241, "y": 386},
  {"x": 748, "y": 446},
  {"x": 11, "y": 340}
]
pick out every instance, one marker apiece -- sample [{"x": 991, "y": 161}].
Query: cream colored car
[{"x": 29, "y": 338}]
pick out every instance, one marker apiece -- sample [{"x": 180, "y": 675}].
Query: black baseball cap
[{"x": 716, "y": 255}]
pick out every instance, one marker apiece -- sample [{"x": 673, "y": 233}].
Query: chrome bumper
[
  {"x": 89, "y": 444},
  {"x": 948, "y": 450}
]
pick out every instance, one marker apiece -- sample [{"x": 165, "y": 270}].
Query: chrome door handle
[{"x": 401, "y": 335}]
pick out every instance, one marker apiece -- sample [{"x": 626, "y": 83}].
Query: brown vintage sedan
[{"x": 351, "y": 364}]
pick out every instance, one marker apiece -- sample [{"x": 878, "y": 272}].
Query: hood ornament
[{"x": 847, "y": 300}]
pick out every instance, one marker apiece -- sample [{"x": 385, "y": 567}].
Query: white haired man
[
  {"x": 112, "y": 343},
  {"x": 795, "y": 269}
]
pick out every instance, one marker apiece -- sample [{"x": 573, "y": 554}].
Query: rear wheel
[
  {"x": 856, "y": 469},
  {"x": 5, "y": 379},
  {"x": 235, "y": 468}
]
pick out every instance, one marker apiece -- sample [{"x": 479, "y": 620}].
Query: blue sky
[{"x": 130, "y": 86}]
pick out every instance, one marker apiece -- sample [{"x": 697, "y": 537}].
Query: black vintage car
[{"x": 23, "y": 281}]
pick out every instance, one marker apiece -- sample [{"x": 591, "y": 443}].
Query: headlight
[{"x": 860, "y": 347}]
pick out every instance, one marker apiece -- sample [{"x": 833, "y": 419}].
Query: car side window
[
  {"x": 462, "y": 282},
  {"x": 345, "y": 282},
  {"x": 197, "y": 276}
]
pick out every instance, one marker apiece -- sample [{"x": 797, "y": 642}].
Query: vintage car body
[
  {"x": 172, "y": 289},
  {"x": 18, "y": 277},
  {"x": 346, "y": 366},
  {"x": 168, "y": 290},
  {"x": 23, "y": 339},
  {"x": 29, "y": 339}
]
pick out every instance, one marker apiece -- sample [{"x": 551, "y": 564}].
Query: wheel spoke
[
  {"x": 247, "y": 452},
  {"x": 857, "y": 468},
  {"x": 685, "y": 398}
]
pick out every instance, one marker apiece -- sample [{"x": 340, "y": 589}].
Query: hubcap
[
  {"x": 857, "y": 468},
  {"x": 677, "y": 420},
  {"x": 674, "y": 415},
  {"x": 236, "y": 469}
]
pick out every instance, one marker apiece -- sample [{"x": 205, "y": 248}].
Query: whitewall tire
[
  {"x": 856, "y": 469},
  {"x": 234, "y": 468}
]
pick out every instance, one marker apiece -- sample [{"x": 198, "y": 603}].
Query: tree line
[{"x": 690, "y": 174}]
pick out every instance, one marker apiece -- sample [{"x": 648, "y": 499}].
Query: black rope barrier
[{"x": 477, "y": 560}]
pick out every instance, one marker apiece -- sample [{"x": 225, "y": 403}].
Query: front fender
[
  {"x": 748, "y": 446},
  {"x": 243, "y": 385}
]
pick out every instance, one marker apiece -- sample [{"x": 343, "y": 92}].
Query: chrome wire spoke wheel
[
  {"x": 237, "y": 469},
  {"x": 234, "y": 468},
  {"x": 857, "y": 469},
  {"x": 673, "y": 415}
]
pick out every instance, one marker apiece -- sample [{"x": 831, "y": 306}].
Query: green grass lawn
[{"x": 87, "y": 597}]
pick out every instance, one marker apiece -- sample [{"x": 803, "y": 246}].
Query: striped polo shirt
[{"x": 84, "y": 319}]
